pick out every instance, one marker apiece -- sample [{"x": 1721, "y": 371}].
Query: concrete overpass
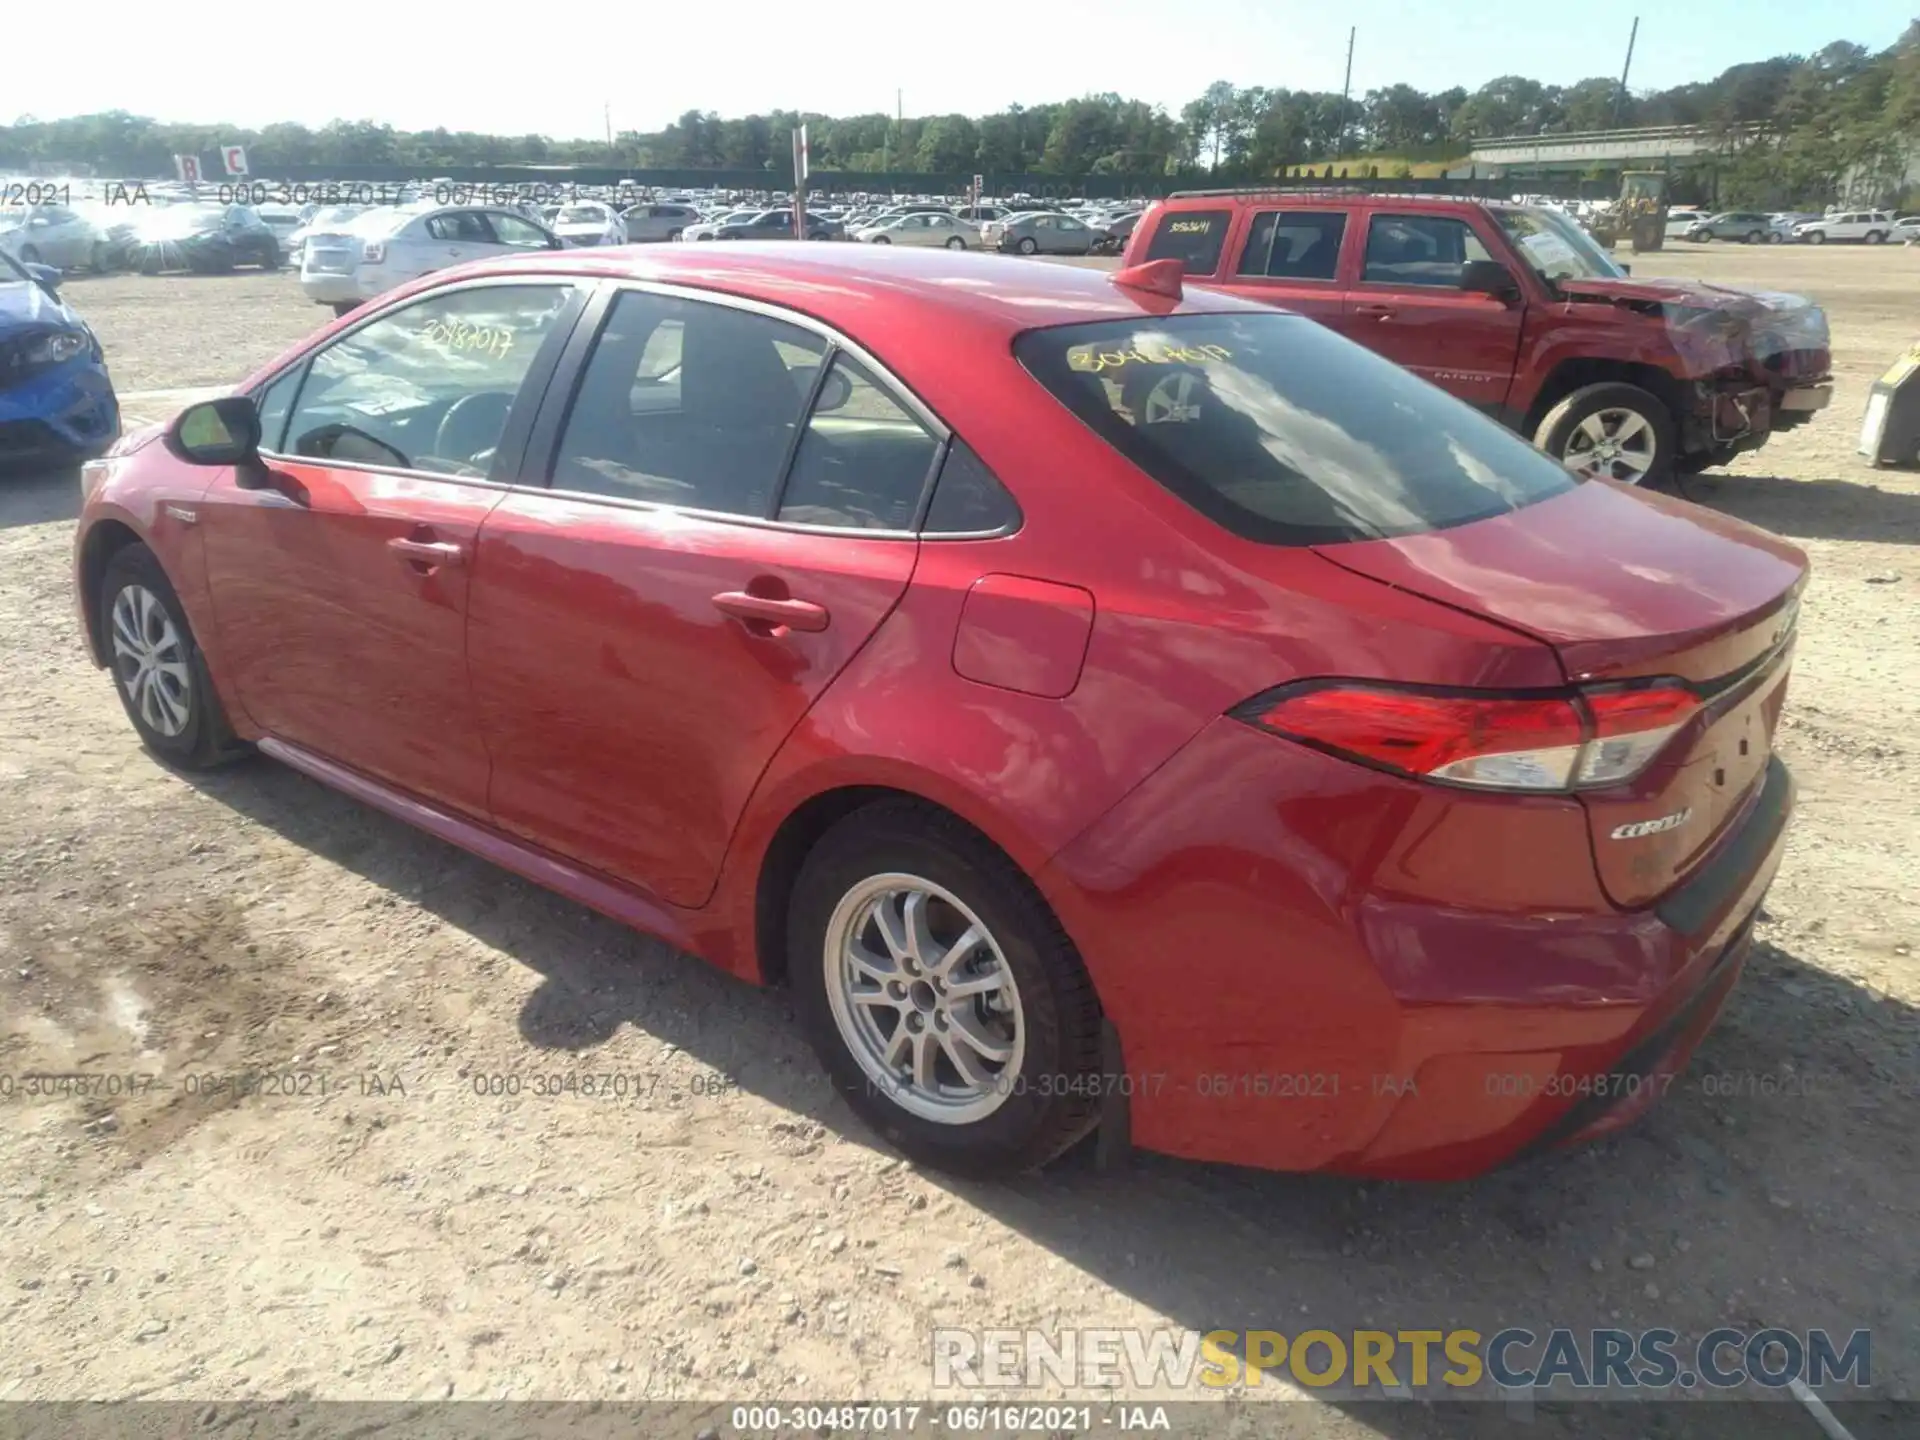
[{"x": 1646, "y": 148}]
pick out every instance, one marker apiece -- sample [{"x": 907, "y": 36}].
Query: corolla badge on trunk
[{"x": 1639, "y": 828}]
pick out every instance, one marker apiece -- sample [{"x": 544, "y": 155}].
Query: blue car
[{"x": 57, "y": 405}]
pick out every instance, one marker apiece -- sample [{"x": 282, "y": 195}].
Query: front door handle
[
  {"x": 1374, "y": 312},
  {"x": 427, "y": 552},
  {"x": 767, "y": 616}
]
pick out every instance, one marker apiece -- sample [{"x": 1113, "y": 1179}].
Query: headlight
[{"x": 56, "y": 348}]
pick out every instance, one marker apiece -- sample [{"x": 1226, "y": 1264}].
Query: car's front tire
[
  {"x": 1874, "y": 237},
  {"x": 1816, "y": 237},
  {"x": 957, "y": 242},
  {"x": 1754, "y": 237},
  {"x": 949, "y": 1007},
  {"x": 158, "y": 670},
  {"x": 1612, "y": 431}
]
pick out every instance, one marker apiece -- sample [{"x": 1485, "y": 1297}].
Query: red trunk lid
[{"x": 1625, "y": 584}]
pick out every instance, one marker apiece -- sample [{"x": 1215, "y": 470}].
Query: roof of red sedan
[{"x": 837, "y": 282}]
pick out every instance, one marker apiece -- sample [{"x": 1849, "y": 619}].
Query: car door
[
  {"x": 1407, "y": 305},
  {"x": 646, "y": 632},
  {"x": 1291, "y": 258},
  {"x": 340, "y": 586},
  {"x": 914, "y": 230},
  {"x": 451, "y": 237},
  {"x": 69, "y": 242},
  {"x": 1071, "y": 236}
]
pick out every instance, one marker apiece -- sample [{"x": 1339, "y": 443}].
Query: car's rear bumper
[
  {"x": 332, "y": 289},
  {"x": 1313, "y": 966}
]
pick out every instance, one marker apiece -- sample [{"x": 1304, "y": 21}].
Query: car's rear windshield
[{"x": 1283, "y": 432}]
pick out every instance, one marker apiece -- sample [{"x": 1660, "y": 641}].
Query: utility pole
[
  {"x": 1346, "y": 91},
  {"x": 1620, "y": 99},
  {"x": 608, "y": 106}
]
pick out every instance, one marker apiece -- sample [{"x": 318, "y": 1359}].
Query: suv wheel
[
  {"x": 1816, "y": 237},
  {"x": 1874, "y": 237},
  {"x": 157, "y": 667},
  {"x": 1754, "y": 237},
  {"x": 948, "y": 1006},
  {"x": 1611, "y": 431}
]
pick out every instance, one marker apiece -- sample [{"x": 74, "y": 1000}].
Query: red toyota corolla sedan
[{"x": 1106, "y": 709}]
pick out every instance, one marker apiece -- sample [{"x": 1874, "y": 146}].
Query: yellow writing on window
[
  {"x": 461, "y": 335},
  {"x": 1092, "y": 361}
]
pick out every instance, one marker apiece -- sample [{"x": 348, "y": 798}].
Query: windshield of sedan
[
  {"x": 1556, "y": 247},
  {"x": 1283, "y": 432}
]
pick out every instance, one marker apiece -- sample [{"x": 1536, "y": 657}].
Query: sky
[{"x": 489, "y": 68}]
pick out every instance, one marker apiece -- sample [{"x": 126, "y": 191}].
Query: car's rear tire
[
  {"x": 881, "y": 240},
  {"x": 158, "y": 670},
  {"x": 993, "y": 1081},
  {"x": 673, "y": 234},
  {"x": 1626, "y": 434},
  {"x": 1028, "y": 245},
  {"x": 1754, "y": 237},
  {"x": 1874, "y": 237},
  {"x": 271, "y": 260},
  {"x": 344, "y": 307},
  {"x": 1774, "y": 237}
]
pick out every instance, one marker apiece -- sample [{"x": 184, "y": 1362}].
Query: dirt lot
[{"x": 730, "y": 1231}]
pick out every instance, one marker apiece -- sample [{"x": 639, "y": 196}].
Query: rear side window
[
  {"x": 968, "y": 499},
  {"x": 1280, "y": 431},
  {"x": 1193, "y": 237},
  {"x": 1294, "y": 244},
  {"x": 863, "y": 461}
]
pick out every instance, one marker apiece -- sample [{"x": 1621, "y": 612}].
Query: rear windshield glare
[{"x": 1283, "y": 432}]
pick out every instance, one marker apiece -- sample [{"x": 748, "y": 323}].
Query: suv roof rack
[{"x": 1341, "y": 192}]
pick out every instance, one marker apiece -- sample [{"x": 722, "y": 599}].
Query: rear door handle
[
  {"x": 427, "y": 552},
  {"x": 780, "y": 615},
  {"x": 1374, "y": 312}
]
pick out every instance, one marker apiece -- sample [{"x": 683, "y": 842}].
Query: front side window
[
  {"x": 688, "y": 403},
  {"x": 275, "y": 404},
  {"x": 1417, "y": 250},
  {"x": 464, "y": 226},
  {"x": 1294, "y": 244},
  {"x": 1193, "y": 237},
  {"x": 1283, "y": 432},
  {"x": 429, "y": 386},
  {"x": 863, "y": 460},
  {"x": 512, "y": 230}
]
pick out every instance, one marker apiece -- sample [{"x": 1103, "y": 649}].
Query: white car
[
  {"x": 590, "y": 223},
  {"x": 704, "y": 230},
  {"x": 1906, "y": 229},
  {"x": 941, "y": 230},
  {"x": 1871, "y": 226},
  {"x": 1679, "y": 222},
  {"x": 48, "y": 235},
  {"x": 370, "y": 254}
]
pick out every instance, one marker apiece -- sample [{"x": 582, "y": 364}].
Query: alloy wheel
[
  {"x": 924, "y": 999},
  {"x": 150, "y": 660},
  {"x": 1612, "y": 444}
]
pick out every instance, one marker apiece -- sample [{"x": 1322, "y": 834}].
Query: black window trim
[
  {"x": 563, "y": 387},
  {"x": 510, "y": 453},
  {"x": 1347, "y": 228}
]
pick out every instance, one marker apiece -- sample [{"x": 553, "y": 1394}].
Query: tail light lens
[
  {"x": 373, "y": 252},
  {"x": 1575, "y": 739}
]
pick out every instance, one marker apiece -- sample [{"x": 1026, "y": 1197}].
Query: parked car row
[{"x": 1754, "y": 227}]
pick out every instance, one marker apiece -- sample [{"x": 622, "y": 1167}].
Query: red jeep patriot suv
[{"x": 1515, "y": 309}]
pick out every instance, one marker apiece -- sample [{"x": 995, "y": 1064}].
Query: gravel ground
[{"x": 396, "y": 1227}]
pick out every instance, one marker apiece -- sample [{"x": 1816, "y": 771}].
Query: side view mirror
[
  {"x": 835, "y": 390},
  {"x": 1489, "y": 277},
  {"x": 217, "y": 432},
  {"x": 47, "y": 278}
]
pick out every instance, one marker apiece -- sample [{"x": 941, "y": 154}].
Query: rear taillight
[
  {"x": 373, "y": 252},
  {"x": 1564, "y": 740}
]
